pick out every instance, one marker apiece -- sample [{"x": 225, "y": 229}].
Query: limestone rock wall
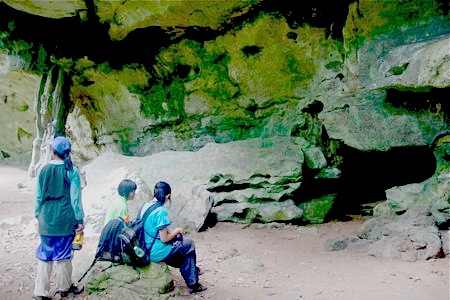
[
  {"x": 177, "y": 76},
  {"x": 17, "y": 110}
]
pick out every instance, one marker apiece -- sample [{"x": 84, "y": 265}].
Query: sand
[{"x": 272, "y": 261}]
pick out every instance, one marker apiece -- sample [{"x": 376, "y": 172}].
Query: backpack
[
  {"x": 132, "y": 236},
  {"x": 124, "y": 243},
  {"x": 109, "y": 245}
]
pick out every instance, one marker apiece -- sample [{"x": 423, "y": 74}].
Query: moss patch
[
  {"x": 370, "y": 18},
  {"x": 126, "y": 16},
  {"x": 259, "y": 60},
  {"x": 22, "y": 133},
  {"x": 316, "y": 210}
]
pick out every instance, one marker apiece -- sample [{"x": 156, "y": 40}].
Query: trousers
[
  {"x": 183, "y": 256},
  {"x": 44, "y": 272}
]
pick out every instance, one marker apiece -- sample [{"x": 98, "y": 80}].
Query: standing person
[
  {"x": 168, "y": 245},
  {"x": 60, "y": 215},
  {"x": 119, "y": 207}
]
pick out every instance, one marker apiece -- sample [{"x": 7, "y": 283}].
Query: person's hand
[
  {"x": 80, "y": 228},
  {"x": 178, "y": 232}
]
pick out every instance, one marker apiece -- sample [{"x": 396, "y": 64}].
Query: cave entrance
[
  {"x": 425, "y": 101},
  {"x": 366, "y": 175}
]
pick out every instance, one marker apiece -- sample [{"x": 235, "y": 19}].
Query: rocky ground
[{"x": 239, "y": 261}]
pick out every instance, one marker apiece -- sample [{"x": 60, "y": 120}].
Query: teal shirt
[
  {"x": 158, "y": 219},
  {"x": 75, "y": 201},
  {"x": 117, "y": 208}
]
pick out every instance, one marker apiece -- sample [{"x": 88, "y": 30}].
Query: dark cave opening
[
  {"x": 366, "y": 175},
  {"x": 433, "y": 100}
]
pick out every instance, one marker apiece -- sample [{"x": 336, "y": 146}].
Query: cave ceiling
[{"x": 125, "y": 32}]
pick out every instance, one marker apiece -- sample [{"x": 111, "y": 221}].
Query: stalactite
[{"x": 49, "y": 121}]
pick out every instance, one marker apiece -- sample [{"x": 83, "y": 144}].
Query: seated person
[
  {"x": 119, "y": 206},
  {"x": 168, "y": 245}
]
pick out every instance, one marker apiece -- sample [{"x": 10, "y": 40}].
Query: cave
[
  {"x": 433, "y": 100},
  {"x": 365, "y": 176}
]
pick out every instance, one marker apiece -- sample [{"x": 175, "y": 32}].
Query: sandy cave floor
[{"x": 239, "y": 261}]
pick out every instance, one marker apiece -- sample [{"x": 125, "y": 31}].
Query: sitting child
[{"x": 119, "y": 207}]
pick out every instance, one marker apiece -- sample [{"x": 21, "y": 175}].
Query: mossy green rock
[
  {"x": 125, "y": 282},
  {"x": 17, "y": 114},
  {"x": 241, "y": 85},
  {"x": 126, "y": 16},
  {"x": 316, "y": 210},
  {"x": 246, "y": 212}
]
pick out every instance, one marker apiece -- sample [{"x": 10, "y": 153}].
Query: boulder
[
  {"x": 425, "y": 64},
  {"x": 411, "y": 236},
  {"x": 433, "y": 193},
  {"x": 107, "y": 281},
  {"x": 368, "y": 126},
  {"x": 254, "y": 173}
]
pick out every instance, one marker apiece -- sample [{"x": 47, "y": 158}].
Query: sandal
[
  {"x": 72, "y": 290},
  {"x": 197, "y": 288}
]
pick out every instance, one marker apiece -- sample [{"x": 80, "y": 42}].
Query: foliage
[
  {"x": 27, "y": 55},
  {"x": 41, "y": 60}
]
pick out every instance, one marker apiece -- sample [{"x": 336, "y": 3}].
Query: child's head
[
  {"x": 162, "y": 192},
  {"x": 127, "y": 188}
]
